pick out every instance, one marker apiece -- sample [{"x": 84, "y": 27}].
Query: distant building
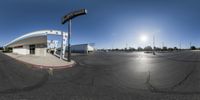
[
  {"x": 52, "y": 44},
  {"x": 82, "y": 48}
]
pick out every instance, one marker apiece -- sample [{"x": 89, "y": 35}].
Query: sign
[
  {"x": 73, "y": 15},
  {"x": 64, "y": 43}
]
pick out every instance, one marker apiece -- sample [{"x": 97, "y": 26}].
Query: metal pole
[
  {"x": 126, "y": 46},
  {"x": 153, "y": 44},
  {"x": 69, "y": 37},
  {"x": 162, "y": 44}
]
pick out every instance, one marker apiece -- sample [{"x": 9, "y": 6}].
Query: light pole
[
  {"x": 68, "y": 18},
  {"x": 153, "y": 44},
  {"x": 180, "y": 45},
  {"x": 126, "y": 48},
  {"x": 163, "y": 44}
]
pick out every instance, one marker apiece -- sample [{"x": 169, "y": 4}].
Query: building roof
[
  {"x": 91, "y": 44},
  {"x": 31, "y": 35}
]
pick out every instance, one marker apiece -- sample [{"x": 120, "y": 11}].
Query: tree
[
  {"x": 7, "y": 49},
  {"x": 193, "y": 48},
  {"x": 164, "y": 49},
  {"x": 140, "y": 49},
  {"x": 131, "y": 49},
  {"x": 148, "y": 48},
  {"x": 1, "y": 48},
  {"x": 170, "y": 49},
  {"x": 175, "y": 48},
  {"x": 157, "y": 49}
]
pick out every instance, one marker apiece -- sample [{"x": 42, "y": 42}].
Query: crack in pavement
[
  {"x": 184, "y": 79},
  {"x": 148, "y": 84},
  {"x": 11, "y": 76},
  {"x": 44, "y": 79},
  {"x": 170, "y": 90}
]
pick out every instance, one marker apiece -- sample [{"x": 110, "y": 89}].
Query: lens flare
[{"x": 143, "y": 38}]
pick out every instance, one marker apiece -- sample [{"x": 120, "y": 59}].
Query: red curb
[{"x": 43, "y": 66}]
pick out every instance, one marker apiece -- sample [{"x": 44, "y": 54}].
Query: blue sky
[{"x": 109, "y": 23}]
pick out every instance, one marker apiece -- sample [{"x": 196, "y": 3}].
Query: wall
[
  {"x": 79, "y": 48},
  {"x": 82, "y": 48},
  {"x": 40, "y": 50},
  {"x": 24, "y": 50},
  {"x": 27, "y": 49},
  {"x": 90, "y": 48}
]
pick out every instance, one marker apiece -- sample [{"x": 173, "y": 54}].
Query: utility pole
[
  {"x": 163, "y": 44},
  {"x": 126, "y": 46},
  {"x": 153, "y": 44}
]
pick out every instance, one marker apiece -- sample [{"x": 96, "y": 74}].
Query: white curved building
[{"x": 32, "y": 43}]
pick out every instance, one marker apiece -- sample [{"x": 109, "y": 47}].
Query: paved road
[{"x": 106, "y": 76}]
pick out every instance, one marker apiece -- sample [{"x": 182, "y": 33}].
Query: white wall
[
  {"x": 40, "y": 51},
  {"x": 82, "y": 48},
  {"x": 27, "y": 49},
  {"x": 90, "y": 48},
  {"x": 23, "y": 51},
  {"x": 79, "y": 47}
]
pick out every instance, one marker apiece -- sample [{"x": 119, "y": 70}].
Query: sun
[{"x": 143, "y": 38}]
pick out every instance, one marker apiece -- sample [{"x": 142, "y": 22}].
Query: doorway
[{"x": 32, "y": 49}]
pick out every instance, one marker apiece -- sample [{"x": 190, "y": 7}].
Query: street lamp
[
  {"x": 154, "y": 45},
  {"x": 68, "y": 18}
]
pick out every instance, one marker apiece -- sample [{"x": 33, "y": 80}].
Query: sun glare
[{"x": 143, "y": 38}]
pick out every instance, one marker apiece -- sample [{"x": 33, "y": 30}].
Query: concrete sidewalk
[{"x": 48, "y": 61}]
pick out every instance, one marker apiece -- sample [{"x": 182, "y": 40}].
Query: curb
[
  {"x": 44, "y": 66},
  {"x": 48, "y": 67}
]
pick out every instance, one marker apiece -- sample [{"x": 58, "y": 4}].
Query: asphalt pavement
[{"x": 106, "y": 76}]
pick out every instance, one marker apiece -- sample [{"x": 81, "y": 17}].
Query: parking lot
[{"x": 106, "y": 76}]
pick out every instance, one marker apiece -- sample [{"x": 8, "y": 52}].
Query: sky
[{"x": 109, "y": 23}]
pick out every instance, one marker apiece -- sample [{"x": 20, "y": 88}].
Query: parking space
[{"x": 109, "y": 76}]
